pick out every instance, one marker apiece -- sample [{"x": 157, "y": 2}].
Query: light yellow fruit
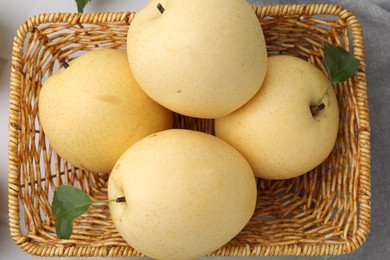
[
  {"x": 276, "y": 131},
  {"x": 94, "y": 110},
  {"x": 198, "y": 58},
  {"x": 187, "y": 194}
]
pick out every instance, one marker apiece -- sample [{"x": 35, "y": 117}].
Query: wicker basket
[{"x": 325, "y": 212}]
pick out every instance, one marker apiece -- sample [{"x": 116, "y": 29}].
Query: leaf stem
[{"x": 323, "y": 94}]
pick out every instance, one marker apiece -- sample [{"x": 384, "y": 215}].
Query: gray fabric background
[{"x": 374, "y": 16}]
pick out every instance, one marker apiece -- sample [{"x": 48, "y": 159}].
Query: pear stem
[
  {"x": 317, "y": 108},
  {"x": 118, "y": 200},
  {"x": 65, "y": 64},
  {"x": 320, "y": 105},
  {"x": 160, "y": 8}
]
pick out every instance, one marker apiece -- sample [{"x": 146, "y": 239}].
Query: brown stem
[
  {"x": 120, "y": 199},
  {"x": 160, "y": 8},
  {"x": 65, "y": 64},
  {"x": 317, "y": 108}
]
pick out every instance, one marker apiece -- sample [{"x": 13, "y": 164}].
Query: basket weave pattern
[{"x": 324, "y": 212}]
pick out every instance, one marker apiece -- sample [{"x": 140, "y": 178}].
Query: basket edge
[{"x": 273, "y": 250}]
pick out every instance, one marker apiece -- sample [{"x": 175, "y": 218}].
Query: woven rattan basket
[{"x": 325, "y": 212}]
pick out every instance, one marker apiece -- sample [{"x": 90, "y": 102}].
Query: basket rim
[{"x": 279, "y": 10}]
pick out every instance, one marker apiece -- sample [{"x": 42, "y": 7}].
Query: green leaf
[
  {"x": 341, "y": 65},
  {"x": 64, "y": 228},
  {"x": 81, "y": 4},
  {"x": 68, "y": 204}
]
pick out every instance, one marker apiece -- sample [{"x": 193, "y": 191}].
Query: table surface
[{"x": 374, "y": 16}]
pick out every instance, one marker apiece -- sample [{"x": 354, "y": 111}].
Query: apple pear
[
  {"x": 93, "y": 110},
  {"x": 198, "y": 58},
  {"x": 276, "y": 131},
  {"x": 187, "y": 194}
]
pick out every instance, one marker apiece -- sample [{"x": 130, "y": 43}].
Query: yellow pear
[
  {"x": 187, "y": 194},
  {"x": 276, "y": 131},
  {"x": 92, "y": 111},
  {"x": 198, "y": 58}
]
